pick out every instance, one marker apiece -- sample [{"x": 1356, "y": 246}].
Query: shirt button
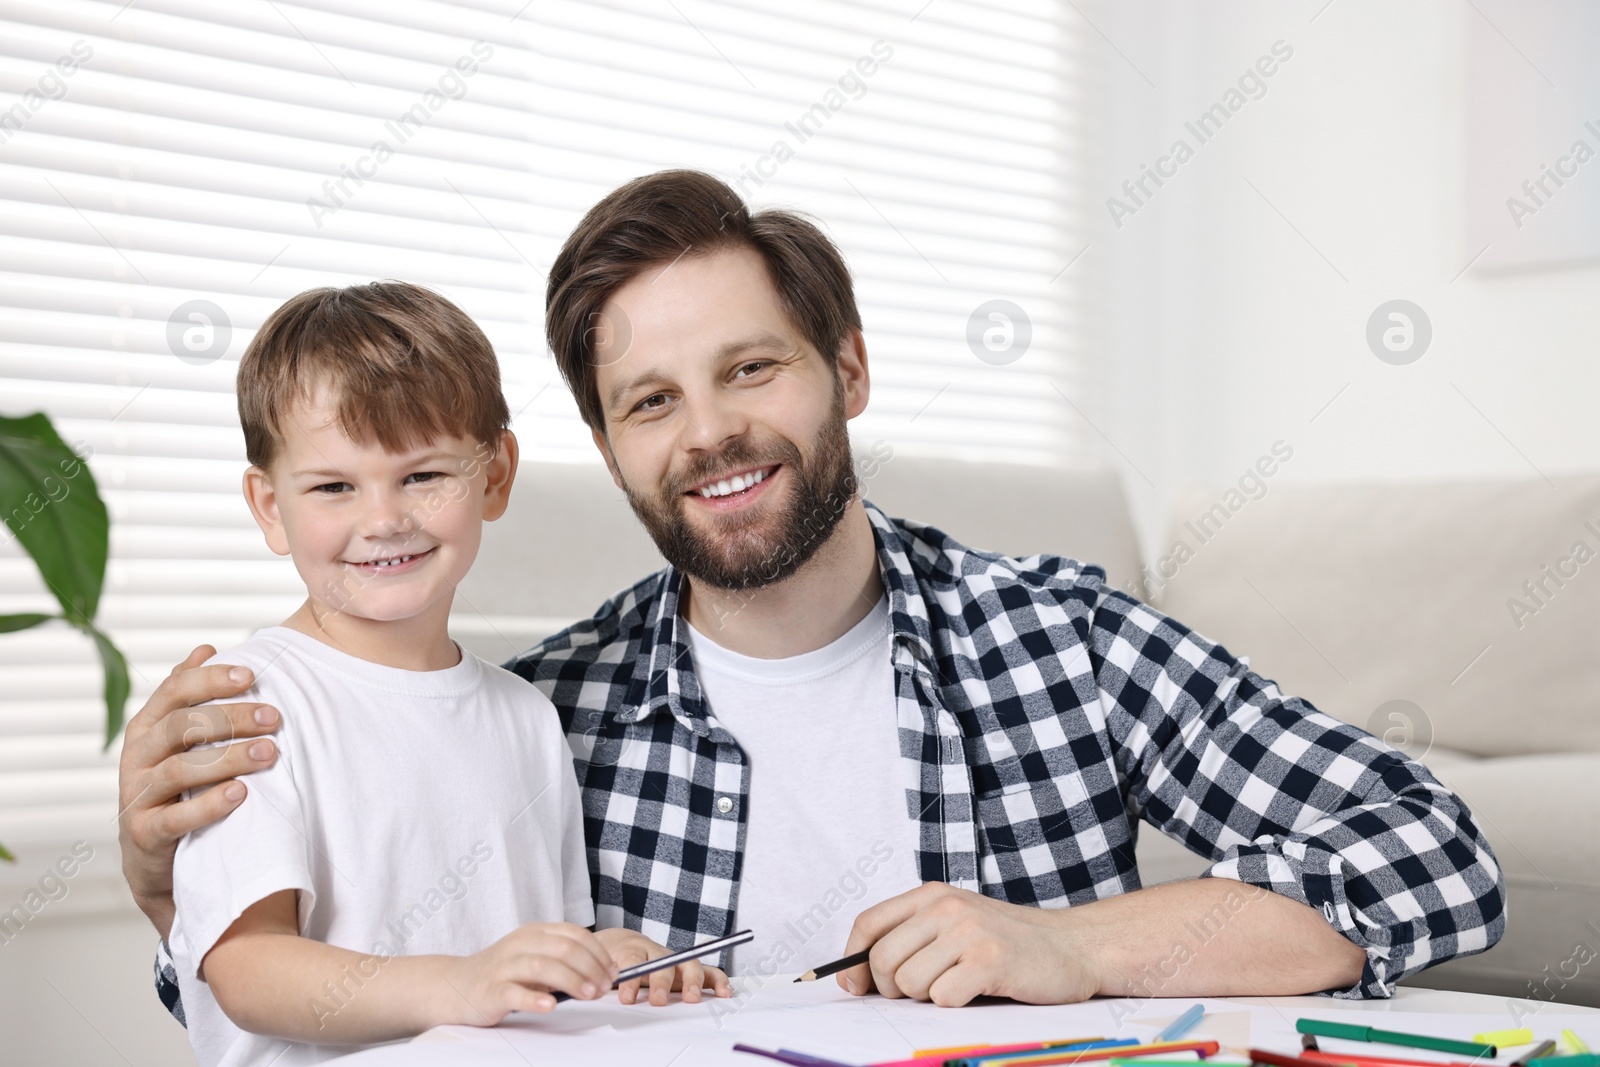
[{"x": 724, "y": 804}]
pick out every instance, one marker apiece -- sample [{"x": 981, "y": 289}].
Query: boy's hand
[
  {"x": 521, "y": 970},
  {"x": 629, "y": 948},
  {"x": 157, "y": 766}
]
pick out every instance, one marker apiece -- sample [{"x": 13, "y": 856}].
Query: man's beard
[{"x": 737, "y": 556}]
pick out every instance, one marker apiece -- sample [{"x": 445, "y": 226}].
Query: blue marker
[{"x": 1182, "y": 1024}]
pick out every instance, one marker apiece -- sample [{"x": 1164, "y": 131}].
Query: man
[{"x": 812, "y": 689}]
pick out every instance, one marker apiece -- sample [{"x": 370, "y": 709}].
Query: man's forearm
[
  {"x": 1212, "y": 937},
  {"x": 160, "y": 911}
]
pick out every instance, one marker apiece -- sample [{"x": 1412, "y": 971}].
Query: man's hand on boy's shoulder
[
  {"x": 158, "y": 764},
  {"x": 630, "y": 948}
]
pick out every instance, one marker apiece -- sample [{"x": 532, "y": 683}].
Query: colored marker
[
  {"x": 1278, "y": 1059},
  {"x": 1025, "y": 1053},
  {"x": 1574, "y": 1042},
  {"x": 1349, "y": 1032},
  {"x": 938, "y": 1057},
  {"x": 1182, "y": 1024},
  {"x": 957, "y": 1050},
  {"x": 1505, "y": 1038},
  {"x": 806, "y": 1059},
  {"x": 1055, "y": 1056},
  {"x": 794, "y": 1059},
  {"x": 1380, "y": 1061}
]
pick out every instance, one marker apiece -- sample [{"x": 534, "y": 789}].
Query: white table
[{"x": 820, "y": 1019}]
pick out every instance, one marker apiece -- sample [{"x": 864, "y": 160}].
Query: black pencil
[
  {"x": 661, "y": 963},
  {"x": 853, "y": 960}
]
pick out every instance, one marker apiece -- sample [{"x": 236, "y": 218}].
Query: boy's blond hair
[{"x": 403, "y": 365}]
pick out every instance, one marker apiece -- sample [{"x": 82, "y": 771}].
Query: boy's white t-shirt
[{"x": 415, "y": 812}]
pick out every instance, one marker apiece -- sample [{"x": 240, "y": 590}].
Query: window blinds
[{"x": 171, "y": 170}]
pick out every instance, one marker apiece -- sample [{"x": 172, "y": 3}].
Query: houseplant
[{"x": 50, "y": 505}]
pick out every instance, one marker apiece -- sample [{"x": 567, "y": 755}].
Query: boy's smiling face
[{"x": 377, "y": 536}]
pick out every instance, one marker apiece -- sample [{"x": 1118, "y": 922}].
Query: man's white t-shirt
[
  {"x": 827, "y": 833},
  {"x": 414, "y": 812}
]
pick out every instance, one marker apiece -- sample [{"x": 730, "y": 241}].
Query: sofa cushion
[
  {"x": 1475, "y": 604},
  {"x": 567, "y": 542},
  {"x": 1075, "y": 511},
  {"x": 1541, "y": 815}
]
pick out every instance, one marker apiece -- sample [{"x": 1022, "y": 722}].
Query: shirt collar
[{"x": 910, "y": 625}]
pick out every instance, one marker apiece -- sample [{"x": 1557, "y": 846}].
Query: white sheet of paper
[{"x": 823, "y": 1020}]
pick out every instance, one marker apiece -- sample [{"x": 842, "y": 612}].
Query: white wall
[
  {"x": 76, "y": 986},
  {"x": 1227, "y": 330}
]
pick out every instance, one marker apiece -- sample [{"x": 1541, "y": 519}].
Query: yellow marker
[
  {"x": 1574, "y": 1042},
  {"x": 1505, "y": 1038}
]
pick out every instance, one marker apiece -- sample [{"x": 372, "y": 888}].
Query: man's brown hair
[
  {"x": 660, "y": 217},
  {"x": 403, "y": 364}
]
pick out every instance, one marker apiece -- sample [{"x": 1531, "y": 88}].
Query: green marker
[{"x": 1321, "y": 1028}]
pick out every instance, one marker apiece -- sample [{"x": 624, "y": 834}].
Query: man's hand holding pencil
[{"x": 948, "y": 946}]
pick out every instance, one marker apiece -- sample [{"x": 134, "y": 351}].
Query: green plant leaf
[
  {"x": 7, "y": 856},
  {"x": 116, "y": 668},
  {"x": 10, "y": 624},
  {"x": 49, "y": 502}
]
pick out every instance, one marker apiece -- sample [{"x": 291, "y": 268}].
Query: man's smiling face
[{"x": 725, "y": 427}]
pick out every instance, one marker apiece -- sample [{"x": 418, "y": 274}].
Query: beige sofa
[
  {"x": 1440, "y": 615},
  {"x": 1383, "y": 605}
]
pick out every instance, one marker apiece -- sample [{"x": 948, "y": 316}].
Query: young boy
[{"x": 415, "y": 857}]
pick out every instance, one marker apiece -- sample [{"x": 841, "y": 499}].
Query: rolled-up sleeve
[{"x": 1282, "y": 796}]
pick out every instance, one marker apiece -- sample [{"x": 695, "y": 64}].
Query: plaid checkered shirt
[{"x": 1041, "y": 714}]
